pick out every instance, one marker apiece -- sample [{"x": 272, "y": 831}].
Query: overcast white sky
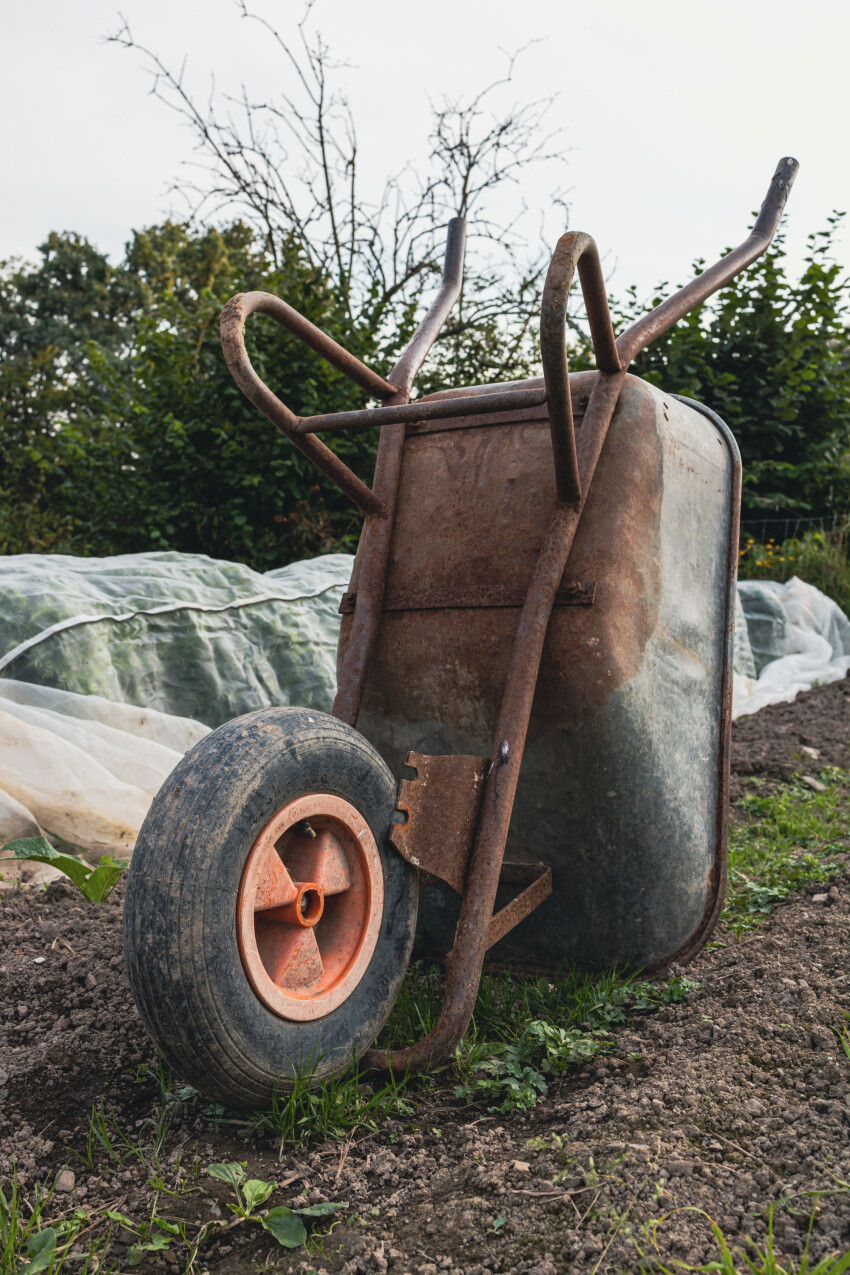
[{"x": 674, "y": 111}]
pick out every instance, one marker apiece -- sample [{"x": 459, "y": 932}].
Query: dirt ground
[{"x": 736, "y": 1098}]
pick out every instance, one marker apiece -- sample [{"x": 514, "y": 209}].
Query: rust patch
[
  {"x": 442, "y": 805},
  {"x": 537, "y": 878},
  {"x": 571, "y": 593}
]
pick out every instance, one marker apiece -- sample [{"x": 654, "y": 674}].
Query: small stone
[
  {"x": 520, "y": 1166},
  {"x": 39, "y": 960},
  {"x": 819, "y": 898},
  {"x": 814, "y": 784},
  {"x": 65, "y": 1182},
  {"x": 754, "y": 1107},
  {"x": 4, "y": 1078},
  {"x": 810, "y": 752}
]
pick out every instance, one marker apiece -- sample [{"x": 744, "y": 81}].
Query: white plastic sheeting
[
  {"x": 82, "y": 767},
  {"x": 85, "y": 641},
  {"x": 182, "y": 633},
  {"x": 797, "y": 638}
]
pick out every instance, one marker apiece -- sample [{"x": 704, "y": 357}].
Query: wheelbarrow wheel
[{"x": 268, "y": 920}]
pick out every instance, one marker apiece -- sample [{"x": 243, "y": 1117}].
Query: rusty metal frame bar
[{"x": 574, "y": 469}]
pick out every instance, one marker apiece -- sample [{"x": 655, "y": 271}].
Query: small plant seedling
[
  {"x": 95, "y": 884},
  {"x": 760, "y": 1259},
  {"x": 283, "y": 1223},
  {"x": 843, "y": 1034}
]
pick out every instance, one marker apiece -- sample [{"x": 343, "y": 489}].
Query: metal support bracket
[
  {"x": 537, "y": 879},
  {"x": 441, "y": 805}
]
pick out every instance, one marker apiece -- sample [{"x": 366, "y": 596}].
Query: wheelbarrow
[{"x": 539, "y": 628}]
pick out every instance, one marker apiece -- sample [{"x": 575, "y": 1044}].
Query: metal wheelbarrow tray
[{"x": 539, "y": 627}]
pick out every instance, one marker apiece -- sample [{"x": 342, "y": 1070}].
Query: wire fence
[{"x": 781, "y": 529}]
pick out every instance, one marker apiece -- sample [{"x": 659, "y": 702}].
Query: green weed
[
  {"x": 754, "y": 1258},
  {"x": 95, "y": 884},
  {"x": 525, "y": 1031},
  {"x": 331, "y": 1108},
  {"x": 285, "y": 1224},
  {"x": 790, "y": 839},
  {"x": 30, "y": 1243},
  {"x": 843, "y": 1034}
]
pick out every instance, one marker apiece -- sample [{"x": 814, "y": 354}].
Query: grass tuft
[
  {"x": 753, "y": 1258},
  {"x": 790, "y": 839}
]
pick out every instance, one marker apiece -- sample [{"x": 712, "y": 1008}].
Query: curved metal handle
[
  {"x": 657, "y": 322},
  {"x": 573, "y": 249},
  {"x": 397, "y": 389}
]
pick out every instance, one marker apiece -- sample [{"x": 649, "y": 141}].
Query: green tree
[
  {"x": 771, "y": 356},
  {"x": 121, "y": 426},
  {"x": 65, "y": 329}
]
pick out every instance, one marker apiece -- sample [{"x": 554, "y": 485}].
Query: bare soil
[{"x": 737, "y": 1098}]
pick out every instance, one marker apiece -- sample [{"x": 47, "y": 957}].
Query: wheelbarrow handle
[
  {"x": 572, "y": 250},
  {"x": 662, "y": 318},
  {"x": 396, "y": 389}
]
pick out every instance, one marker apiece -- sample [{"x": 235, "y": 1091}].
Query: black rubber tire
[{"x": 180, "y": 943}]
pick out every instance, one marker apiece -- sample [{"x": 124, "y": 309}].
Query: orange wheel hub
[{"x": 310, "y": 904}]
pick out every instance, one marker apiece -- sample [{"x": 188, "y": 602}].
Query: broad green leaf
[
  {"x": 122, "y": 1218},
  {"x": 25, "y": 847},
  {"x": 156, "y": 1244},
  {"x": 103, "y": 880},
  {"x": 166, "y": 1226},
  {"x": 257, "y": 1192},
  {"x": 233, "y": 1173},
  {"x": 211, "y": 1228},
  {"x": 320, "y": 1210},
  {"x": 288, "y": 1230},
  {"x": 39, "y": 850},
  {"x": 41, "y": 1250}
]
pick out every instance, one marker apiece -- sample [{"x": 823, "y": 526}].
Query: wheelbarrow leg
[
  {"x": 465, "y": 961},
  {"x": 573, "y": 472}
]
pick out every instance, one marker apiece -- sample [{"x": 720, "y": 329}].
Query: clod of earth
[{"x": 734, "y": 1099}]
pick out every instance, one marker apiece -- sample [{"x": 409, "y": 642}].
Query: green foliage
[
  {"x": 29, "y": 1243},
  {"x": 283, "y": 1223},
  {"x": 509, "y": 1062},
  {"x": 821, "y": 558},
  {"x": 121, "y": 428},
  {"x": 95, "y": 884},
  {"x": 770, "y": 356},
  {"x": 790, "y": 839},
  {"x": 313, "y": 1109},
  {"x": 753, "y": 1258}
]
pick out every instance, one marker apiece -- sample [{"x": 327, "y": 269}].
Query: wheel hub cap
[{"x": 310, "y": 906}]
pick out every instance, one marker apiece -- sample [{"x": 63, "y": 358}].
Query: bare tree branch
[{"x": 289, "y": 167}]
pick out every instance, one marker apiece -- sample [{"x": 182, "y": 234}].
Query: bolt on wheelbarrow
[{"x": 539, "y": 626}]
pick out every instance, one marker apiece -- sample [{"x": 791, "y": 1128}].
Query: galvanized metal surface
[{"x": 620, "y": 789}]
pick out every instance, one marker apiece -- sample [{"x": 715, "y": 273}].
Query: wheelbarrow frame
[{"x": 479, "y": 793}]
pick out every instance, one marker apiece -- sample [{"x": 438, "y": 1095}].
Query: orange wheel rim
[{"x": 310, "y": 904}]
